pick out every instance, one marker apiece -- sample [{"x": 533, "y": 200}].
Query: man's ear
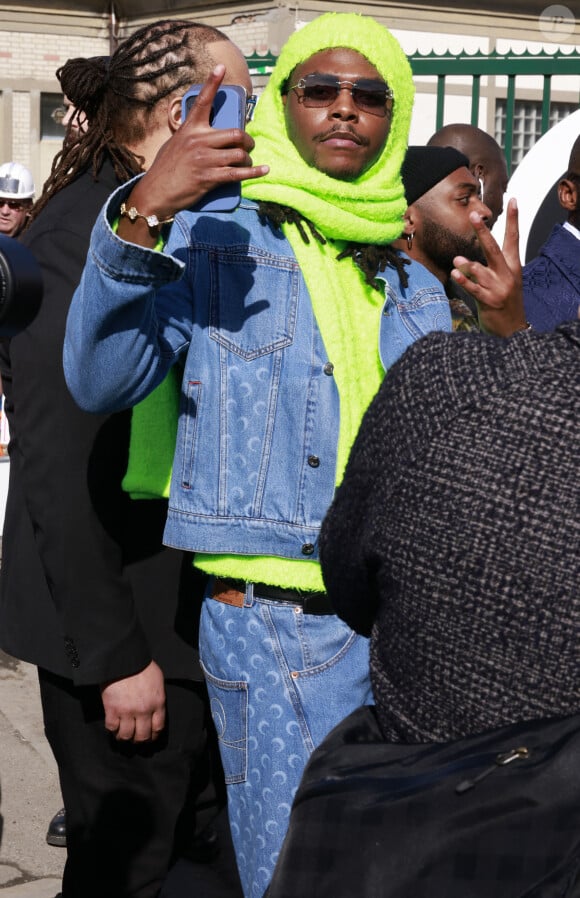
[
  {"x": 410, "y": 220},
  {"x": 174, "y": 113},
  {"x": 568, "y": 194}
]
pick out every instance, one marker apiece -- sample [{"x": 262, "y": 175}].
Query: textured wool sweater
[{"x": 454, "y": 538}]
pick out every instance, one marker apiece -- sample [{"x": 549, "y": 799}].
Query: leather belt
[{"x": 233, "y": 592}]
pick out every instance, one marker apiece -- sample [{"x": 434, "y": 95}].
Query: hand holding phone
[
  {"x": 198, "y": 159},
  {"x": 228, "y": 111}
]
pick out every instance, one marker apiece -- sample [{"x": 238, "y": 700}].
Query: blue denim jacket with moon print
[{"x": 259, "y": 400}]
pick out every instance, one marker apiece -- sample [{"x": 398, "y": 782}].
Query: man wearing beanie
[
  {"x": 274, "y": 316},
  {"x": 442, "y": 193}
]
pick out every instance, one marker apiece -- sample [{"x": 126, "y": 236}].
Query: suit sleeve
[
  {"x": 71, "y": 464},
  {"x": 347, "y": 540}
]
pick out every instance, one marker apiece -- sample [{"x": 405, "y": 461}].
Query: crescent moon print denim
[{"x": 279, "y": 680}]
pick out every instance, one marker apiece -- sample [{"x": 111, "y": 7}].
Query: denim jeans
[{"x": 279, "y": 680}]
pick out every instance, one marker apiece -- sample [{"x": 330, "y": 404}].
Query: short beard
[{"x": 441, "y": 246}]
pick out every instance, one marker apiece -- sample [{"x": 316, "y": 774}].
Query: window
[
  {"x": 51, "y": 113},
  {"x": 527, "y": 124}
]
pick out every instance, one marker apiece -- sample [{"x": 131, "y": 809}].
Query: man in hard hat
[{"x": 16, "y": 196}]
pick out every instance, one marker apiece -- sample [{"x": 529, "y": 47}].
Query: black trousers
[{"x": 130, "y": 810}]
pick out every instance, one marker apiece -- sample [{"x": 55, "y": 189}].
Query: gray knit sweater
[{"x": 456, "y": 534}]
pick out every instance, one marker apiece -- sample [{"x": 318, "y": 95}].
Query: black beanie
[{"x": 423, "y": 167}]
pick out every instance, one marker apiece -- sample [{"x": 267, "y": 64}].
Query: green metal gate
[{"x": 479, "y": 64}]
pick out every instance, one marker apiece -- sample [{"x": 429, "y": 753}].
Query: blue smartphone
[{"x": 228, "y": 111}]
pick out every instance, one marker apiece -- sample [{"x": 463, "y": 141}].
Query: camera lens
[{"x": 20, "y": 286}]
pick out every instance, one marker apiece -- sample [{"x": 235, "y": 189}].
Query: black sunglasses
[
  {"x": 369, "y": 95},
  {"x": 15, "y": 205}
]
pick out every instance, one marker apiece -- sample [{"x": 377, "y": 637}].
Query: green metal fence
[
  {"x": 511, "y": 65},
  {"x": 261, "y": 64}
]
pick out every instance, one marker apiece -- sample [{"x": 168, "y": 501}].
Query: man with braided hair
[
  {"x": 275, "y": 312},
  {"x": 88, "y": 592}
]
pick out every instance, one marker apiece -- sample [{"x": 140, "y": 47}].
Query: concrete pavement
[{"x": 29, "y": 789}]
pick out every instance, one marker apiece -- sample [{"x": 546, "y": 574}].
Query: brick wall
[
  {"x": 36, "y": 56},
  {"x": 28, "y": 63}
]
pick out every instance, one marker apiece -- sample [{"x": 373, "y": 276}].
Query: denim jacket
[{"x": 255, "y": 461}]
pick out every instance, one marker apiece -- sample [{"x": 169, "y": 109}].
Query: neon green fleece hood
[{"x": 370, "y": 208}]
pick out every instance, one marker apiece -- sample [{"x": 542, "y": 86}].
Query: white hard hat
[{"x": 16, "y": 181}]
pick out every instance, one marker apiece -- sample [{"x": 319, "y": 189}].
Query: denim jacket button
[
  {"x": 313, "y": 461},
  {"x": 307, "y": 549},
  {"x": 328, "y": 368}
]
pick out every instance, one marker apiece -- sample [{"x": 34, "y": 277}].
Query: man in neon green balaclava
[{"x": 275, "y": 312}]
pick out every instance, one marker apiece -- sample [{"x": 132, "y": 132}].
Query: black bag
[{"x": 495, "y": 815}]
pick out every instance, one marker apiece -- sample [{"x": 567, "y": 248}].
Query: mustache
[{"x": 360, "y": 139}]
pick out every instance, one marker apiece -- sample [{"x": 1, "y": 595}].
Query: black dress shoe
[{"x": 56, "y": 834}]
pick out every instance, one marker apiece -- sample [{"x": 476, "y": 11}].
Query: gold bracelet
[{"x": 151, "y": 220}]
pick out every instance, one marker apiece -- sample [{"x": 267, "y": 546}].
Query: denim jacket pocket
[
  {"x": 254, "y": 302},
  {"x": 229, "y": 711}
]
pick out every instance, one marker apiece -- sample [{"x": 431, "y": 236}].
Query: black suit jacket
[{"x": 87, "y": 590}]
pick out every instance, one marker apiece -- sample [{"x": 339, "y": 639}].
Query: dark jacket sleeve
[
  {"x": 551, "y": 282},
  {"x": 70, "y": 464},
  {"x": 361, "y": 520},
  {"x": 346, "y": 540}
]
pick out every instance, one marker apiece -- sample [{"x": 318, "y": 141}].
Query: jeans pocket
[{"x": 229, "y": 711}]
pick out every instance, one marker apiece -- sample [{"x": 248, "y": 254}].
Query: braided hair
[
  {"x": 119, "y": 95},
  {"x": 369, "y": 257}
]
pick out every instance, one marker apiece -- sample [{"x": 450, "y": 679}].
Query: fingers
[
  {"x": 511, "y": 241},
  {"x": 196, "y": 159},
  {"x": 233, "y": 172},
  {"x": 135, "y": 706},
  {"x": 497, "y": 286},
  {"x": 200, "y": 112},
  {"x": 469, "y": 275},
  {"x": 486, "y": 239},
  {"x": 147, "y": 727},
  {"x": 141, "y": 728},
  {"x": 500, "y": 260},
  {"x": 112, "y": 722},
  {"x": 511, "y": 238},
  {"x": 157, "y": 723},
  {"x": 200, "y": 156}
]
